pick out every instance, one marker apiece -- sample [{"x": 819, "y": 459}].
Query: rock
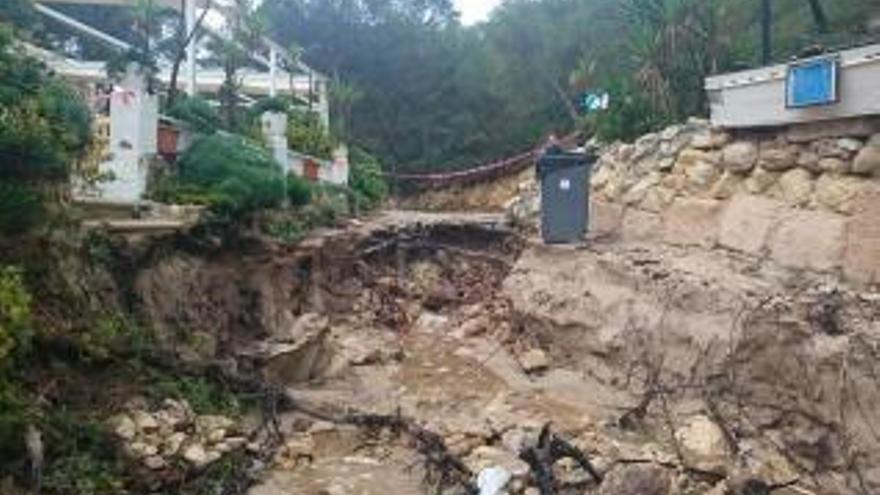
[
  {"x": 664, "y": 164},
  {"x": 123, "y": 427},
  {"x": 827, "y": 148},
  {"x": 534, "y": 360},
  {"x": 637, "y": 192},
  {"x": 485, "y": 457},
  {"x": 727, "y": 186},
  {"x": 141, "y": 450},
  {"x": 849, "y": 144},
  {"x": 644, "y": 146},
  {"x": 657, "y": 199},
  {"x": 155, "y": 463},
  {"x": 625, "y": 152},
  {"x": 171, "y": 445},
  {"x": 747, "y": 222},
  {"x": 702, "y": 175},
  {"x": 216, "y": 436},
  {"x": 532, "y": 491},
  {"x": 740, "y": 156},
  {"x": 796, "y": 187},
  {"x": 493, "y": 481},
  {"x": 637, "y": 479},
  {"x": 709, "y": 140},
  {"x": 867, "y": 162},
  {"x": 231, "y": 444},
  {"x": 812, "y": 240},
  {"x": 300, "y": 362},
  {"x": 602, "y": 176},
  {"x": 670, "y": 132},
  {"x": 761, "y": 180},
  {"x": 690, "y": 157},
  {"x": 776, "y": 158},
  {"x": 145, "y": 422},
  {"x": 834, "y": 165},
  {"x": 702, "y": 444},
  {"x": 837, "y": 192},
  {"x": 196, "y": 455},
  {"x": 809, "y": 161}
]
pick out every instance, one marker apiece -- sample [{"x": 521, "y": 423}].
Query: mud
[{"x": 673, "y": 370}]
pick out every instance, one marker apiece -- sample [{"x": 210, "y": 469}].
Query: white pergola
[
  {"x": 134, "y": 114},
  {"x": 271, "y": 82}
]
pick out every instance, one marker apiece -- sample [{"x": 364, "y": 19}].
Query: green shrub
[
  {"x": 20, "y": 208},
  {"x": 299, "y": 190},
  {"x": 629, "y": 116},
  {"x": 15, "y": 312},
  {"x": 366, "y": 179},
  {"x": 306, "y": 134},
  {"x": 197, "y": 112},
  {"x": 232, "y": 173},
  {"x": 44, "y": 126}
]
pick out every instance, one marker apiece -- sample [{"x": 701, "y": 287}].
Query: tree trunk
[
  {"x": 187, "y": 38},
  {"x": 819, "y": 15}
]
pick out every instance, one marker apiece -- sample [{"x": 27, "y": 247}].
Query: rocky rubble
[{"x": 161, "y": 437}]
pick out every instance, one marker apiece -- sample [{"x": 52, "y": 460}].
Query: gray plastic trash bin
[{"x": 565, "y": 178}]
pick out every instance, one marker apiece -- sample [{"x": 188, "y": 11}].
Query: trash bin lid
[{"x": 559, "y": 160}]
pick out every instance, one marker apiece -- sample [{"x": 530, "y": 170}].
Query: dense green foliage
[
  {"x": 197, "y": 112},
  {"x": 366, "y": 179},
  {"x": 423, "y": 91},
  {"x": 44, "y": 126},
  {"x": 306, "y": 134},
  {"x": 15, "y": 312},
  {"x": 227, "y": 172}
]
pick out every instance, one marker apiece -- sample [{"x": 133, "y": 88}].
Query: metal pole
[
  {"x": 766, "y": 32},
  {"x": 190, "y": 20}
]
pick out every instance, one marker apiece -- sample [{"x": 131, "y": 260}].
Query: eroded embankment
[{"x": 410, "y": 359}]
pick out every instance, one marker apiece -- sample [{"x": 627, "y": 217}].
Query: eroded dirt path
[{"x": 673, "y": 370}]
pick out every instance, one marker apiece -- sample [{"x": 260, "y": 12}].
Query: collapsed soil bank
[{"x": 679, "y": 369}]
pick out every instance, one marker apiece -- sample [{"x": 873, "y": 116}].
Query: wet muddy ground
[{"x": 670, "y": 370}]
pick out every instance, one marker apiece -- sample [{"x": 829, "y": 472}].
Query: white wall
[{"x": 757, "y": 97}]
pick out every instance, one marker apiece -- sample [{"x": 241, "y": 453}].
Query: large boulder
[
  {"x": 867, "y": 162},
  {"x": 837, "y": 192},
  {"x": 778, "y": 157},
  {"x": 703, "y": 444},
  {"x": 748, "y": 221},
  {"x": 761, "y": 180},
  {"x": 740, "y": 156},
  {"x": 796, "y": 187},
  {"x": 812, "y": 240}
]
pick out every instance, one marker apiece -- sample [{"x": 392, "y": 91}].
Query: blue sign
[
  {"x": 812, "y": 83},
  {"x": 595, "y": 102}
]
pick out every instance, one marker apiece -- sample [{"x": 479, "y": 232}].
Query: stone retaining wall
[{"x": 806, "y": 197}]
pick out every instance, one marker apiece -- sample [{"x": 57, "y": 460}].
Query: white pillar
[
  {"x": 190, "y": 20},
  {"x": 273, "y": 71},
  {"x": 275, "y": 134}
]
